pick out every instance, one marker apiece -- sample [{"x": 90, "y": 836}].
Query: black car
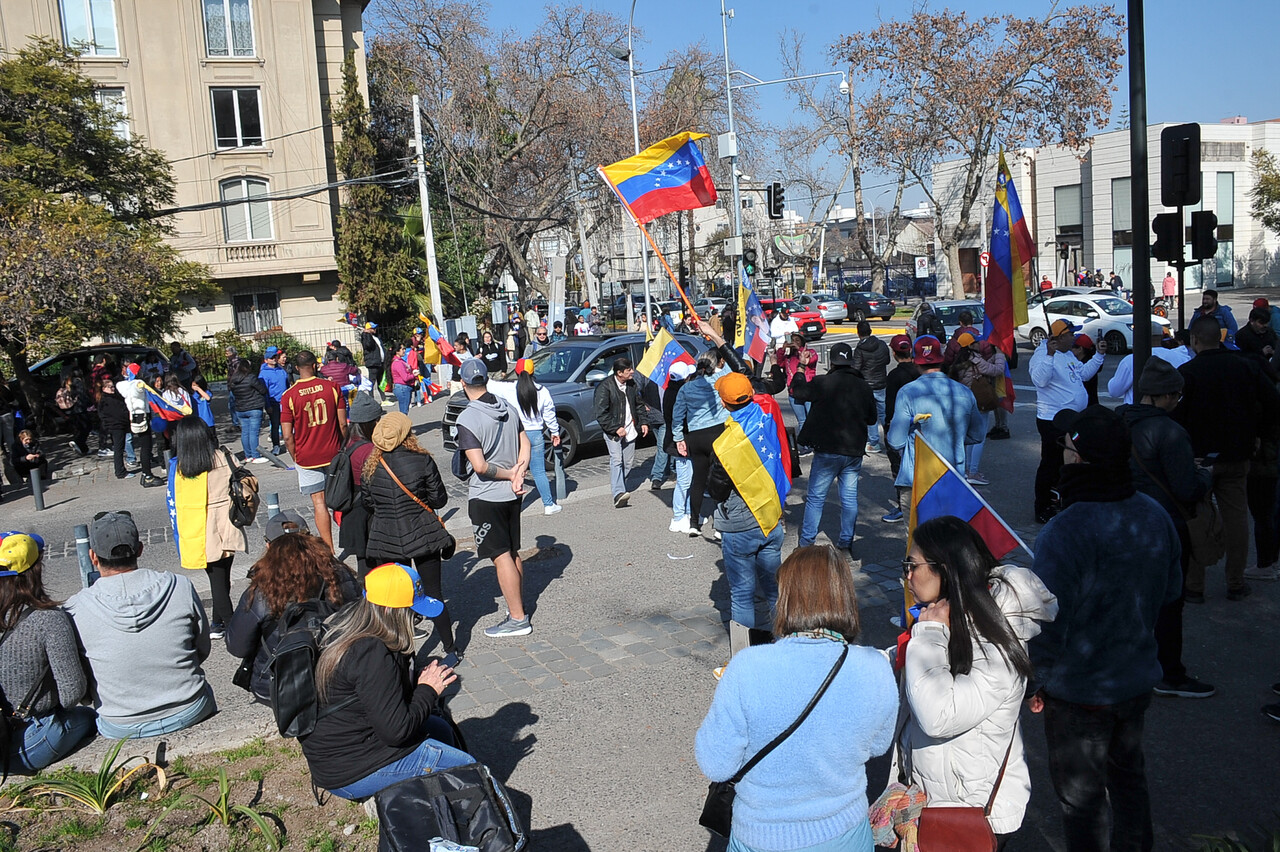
[
  {"x": 49, "y": 372},
  {"x": 865, "y": 305}
]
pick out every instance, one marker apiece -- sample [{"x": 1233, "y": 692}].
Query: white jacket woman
[
  {"x": 537, "y": 411},
  {"x": 961, "y": 725}
]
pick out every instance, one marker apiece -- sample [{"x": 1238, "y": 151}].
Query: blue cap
[
  {"x": 474, "y": 372},
  {"x": 271, "y": 352}
]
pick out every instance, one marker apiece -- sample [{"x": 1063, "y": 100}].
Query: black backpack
[
  {"x": 243, "y": 490},
  {"x": 339, "y": 481},
  {"x": 294, "y": 701}
]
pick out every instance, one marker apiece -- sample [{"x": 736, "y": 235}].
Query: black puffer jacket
[
  {"x": 113, "y": 412},
  {"x": 871, "y": 361},
  {"x": 400, "y": 529},
  {"x": 842, "y": 409},
  {"x": 252, "y": 630},
  {"x": 250, "y": 392},
  {"x": 373, "y": 353},
  {"x": 1164, "y": 450}
]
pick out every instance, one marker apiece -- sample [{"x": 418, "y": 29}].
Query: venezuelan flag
[
  {"x": 187, "y": 499},
  {"x": 750, "y": 451},
  {"x": 665, "y": 177},
  {"x": 752, "y": 333},
  {"x": 939, "y": 490},
  {"x": 1005, "y": 300},
  {"x": 664, "y": 351},
  {"x": 447, "y": 354},
  {"x": 163, "y": 412}
]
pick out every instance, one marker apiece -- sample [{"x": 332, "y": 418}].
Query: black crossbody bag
[{"x": 717, "y": 810}]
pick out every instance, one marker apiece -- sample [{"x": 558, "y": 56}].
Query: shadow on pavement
[{"x": 504, "y": 746}]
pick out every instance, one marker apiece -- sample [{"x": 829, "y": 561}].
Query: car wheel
[
  {"x": 570, "y": 438},
  {"x": 1116, "y": 342},
  {"x": 858, "y": 315},
  {"x": 1036, "y": 337}
]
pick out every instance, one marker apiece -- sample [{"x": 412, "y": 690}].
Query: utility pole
[
  {"x": 1139, "y": 199},
  {"x": 428, "y": 232}
]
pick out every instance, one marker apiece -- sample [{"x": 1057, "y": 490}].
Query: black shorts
[{"x": 497, "y": 527}]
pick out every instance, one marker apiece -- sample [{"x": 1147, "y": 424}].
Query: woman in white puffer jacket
[{"x": 966, "y": 670}]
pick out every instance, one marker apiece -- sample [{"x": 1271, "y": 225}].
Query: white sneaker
[
  {"x": 1260, "y": 572},
  {"x": 552, "y": 509},
  {"x": 260, "y": 460},
  {"x": 679, "y": 525}
]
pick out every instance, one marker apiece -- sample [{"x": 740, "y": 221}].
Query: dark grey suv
[{"x": 571, "y": 369}]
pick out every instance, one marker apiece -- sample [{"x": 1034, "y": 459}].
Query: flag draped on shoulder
[
  {"x": 664, "y": 351},
  {"x": 665, "y": 177},
  {"x": 750, "y": 452},
  {"x": 163, "y": 412},
  {"x": 1012, "y": 248}
]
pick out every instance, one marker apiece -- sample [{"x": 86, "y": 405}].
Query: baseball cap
[
  {"x": 364, "y": 409},
  {"x": 1084, "y": 341},
  {"x": 336, "y": 343},
  {"x": 900, "y": 343},
  {"x": 1099, "y": 435},
  {"x": 965, "y": 338},
  {"x": 417, "y": 330},
  {"x": 395, "y": 585},
  {"x": 474, "y": 372},
  {"x": 1261, "y": 303},
  {"x": 1061, "y": 326},
  {"x": 841, "y": 353},
  {"x": 681, "y": 370},
  {"x": 271, "y": 352},
  {"x": 928, "y": 350},
  {"x": 114, "y": 535},
  {"x": 18, "y": 552},
  {"x": 284, "y": 523},
  {"x": 734, "y": 388},
  {"x": 134, "y": 369},
  {"x": 370, "y": 325}
]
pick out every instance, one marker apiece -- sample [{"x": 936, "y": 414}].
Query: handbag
[
  {"x": 717, "y": 810},
  {"x": 961, "y": 829},
  {"x": 985, "y": 393},
  {"x": 446, "y": 552},
  {"x": 1205, "y": 529},
  {"x": 465, "y": 805}
]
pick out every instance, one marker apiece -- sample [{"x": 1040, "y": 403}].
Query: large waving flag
[
  {"x": 752, "y": 455},
  {"x": 447, "y": 355},
  {"x": 752, "y": 333},
  {"x": 163, "y": 412},
  {"x": 1012, "y": 248},
  {"x": 664, "y": 351},
  {"x": 665, "y": 177},
  {"x": 938, "y": 489}
]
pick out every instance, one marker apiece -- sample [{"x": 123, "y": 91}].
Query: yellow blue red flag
[
  {"x": 751, "y": 454},
  {"x": 664, "y": 351},
  {"x": 665, "y": 177},
  {"x": 1012, "y": 248}
]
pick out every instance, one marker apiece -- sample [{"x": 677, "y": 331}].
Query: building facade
[{"x": 236, "y": 93}]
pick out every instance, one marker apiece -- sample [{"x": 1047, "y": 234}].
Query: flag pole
[{"x": 683, "y": 296}]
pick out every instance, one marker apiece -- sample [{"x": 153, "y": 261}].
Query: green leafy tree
[
  {"x": 376, "y": 272},
  {"x": 460, "y": 254},
  {"x": 1265, "y": 194}
]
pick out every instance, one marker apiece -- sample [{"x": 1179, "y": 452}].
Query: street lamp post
[{"x": 635, "y": 131}]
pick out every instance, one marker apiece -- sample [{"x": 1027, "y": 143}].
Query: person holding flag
[
  {"x": 664, "y": 352},
  {"x": 1005, "y": 292}
]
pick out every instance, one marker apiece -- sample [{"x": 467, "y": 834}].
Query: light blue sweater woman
[
  {"x": 698, "y": 406},
  {"x": 811, "y": 791}
]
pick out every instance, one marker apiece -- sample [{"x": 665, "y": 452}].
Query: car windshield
[
  {"x": 557, "y": 363},
  {"x": 1115, "y": 307},
  {"x": 785, "y": 303}
]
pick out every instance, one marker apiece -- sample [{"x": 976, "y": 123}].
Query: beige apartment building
[{"x": 237, "y": 94}]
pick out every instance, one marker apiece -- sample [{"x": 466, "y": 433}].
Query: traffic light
[
  {"x": 775, "y": 196},
  {"x": 1064, "y": 250},
  {"x": 1204, "y": 230},
  {"x": 1168, "y": 244},
  {"x": 749, "y": 261}
]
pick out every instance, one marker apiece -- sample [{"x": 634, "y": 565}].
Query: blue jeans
[
  {"x": 429, "y": 756},
  {"x": 231, "y": 406},
  {"x": 46, "y": 739},
  {"x": 250, "y": 429},
  {"x": 538, "y": 466},
  {"x": 129, "y": 454},
  {"x": 660, "y": 458},
  {"x": 826, "y": 468},
  {"x": 197, "y": 711},
  {"x": 684, "y": 479},
  {"x": 973, "y": 452},
  {"x": 403, "y": 395},
  {"x": 800, "y": 410},
  {"x": 874, "y": 434},
  {"x": 751, "y": 558}
]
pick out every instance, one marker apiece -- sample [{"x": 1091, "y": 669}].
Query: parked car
[
  {"x": 704, "y": 306},
  {"x": 831, "y": 308},
  {"x": 1034, "y": 300},
  {"x": 867, "y": 305},
  {"x": 1102, "y": 317},
  {"x": 571, "y": 369},
  {"x": 48, "y": 373},
  {"x": 811, "y": 323},
  {"x": 949, "y": 312}
]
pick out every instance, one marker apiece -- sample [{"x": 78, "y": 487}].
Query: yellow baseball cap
[
  {"x": 18, "y": 552},
  {"x": 399, "y": 586}
]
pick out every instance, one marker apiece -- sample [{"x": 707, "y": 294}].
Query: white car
[
  {"x": 1101, "y": 317},
  {"x": 831, "y": 308}
]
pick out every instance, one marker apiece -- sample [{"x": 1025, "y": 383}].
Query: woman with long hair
[
  {"x": 113, "y": 420},
  {"x": 250, "y": 394},
  {"x": 199, "y": 485},
  {"x": 40, "y": 668},
  {"x": 537, "y": 412},
  {"x": 378, "y": 725},
  {"x": 696, "y": 421},
  {"x": 809, "y": 793},
  {"x": 403, "y": 377},
  {"x": 72, "y": 400},
  {"x": 966, "y": 670},
  {"x": 401, "y": 488},
  {"x": 295, "y": 567},
  {"x": 492, "y": 353}
]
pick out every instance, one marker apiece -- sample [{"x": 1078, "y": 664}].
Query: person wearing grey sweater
[
  {"x": 41, "y": 676},
  {"x": 145, "y": 635}
]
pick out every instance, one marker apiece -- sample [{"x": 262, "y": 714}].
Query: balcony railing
[{"x": 252, "y": 251}]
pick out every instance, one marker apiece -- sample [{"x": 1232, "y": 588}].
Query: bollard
[
  {"x": 82, "y": 552},
  {"x": 272, "y": 501},
  {"x": 557, "y": 454},
  {"x": 37, "y": 488}
]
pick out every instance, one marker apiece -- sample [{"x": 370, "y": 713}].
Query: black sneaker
[
  {"x": 217, "y": 630},
  {"x": 1272, "y": 712},
  {"x": 1187, "y": 687},
  {"x": 655, "y": 485},
  {"x": 1240, "y": 593},
  {"x": 149, "y": 481}
]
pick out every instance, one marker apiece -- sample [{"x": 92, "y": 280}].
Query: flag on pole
[
  {"x": 753, "y": 329},
  {"x": 665, "y": 177},
  {"x": 1005, "y": 301},
  {"x": 664, "y": 351},
  {"x": 447, "y": 354},
  {"x": 751, "y": 454},
  {"x": 938, "y": 489}
]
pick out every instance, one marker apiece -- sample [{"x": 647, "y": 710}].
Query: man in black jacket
[
  {"x": 1164, "y": 468},
  {"x": 843, "y": 406},
  {"x": 871, "y": 361},
  {"x": 374, "y": 356},
  {"x": 899, "y": 377},
  {"x": 623, "y": 419},
  {"x": 1227, "y": 405}
]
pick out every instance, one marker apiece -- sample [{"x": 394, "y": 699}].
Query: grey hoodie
[
  {"x": 145, "y": 635},
  {"x": 493, "y": 426}
]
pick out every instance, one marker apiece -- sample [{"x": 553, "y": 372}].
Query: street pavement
[{"x": 590, "y": 720}]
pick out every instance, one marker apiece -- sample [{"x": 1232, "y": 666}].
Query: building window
[
  {"x": 111, "y": 99},
  {"x": 237, "y": 120},
  {"x": 90, "y": 26},
  {"x": 248, "y": 221},
  {"x": 1224, "y": 260},
  {"x": 256, "y": 312},
  {"x": 1121, "y": 212},
  {"x": 1067, "y": 212},
  {"x": 550, "y": 247},
  {"x": 228, "y": 27}
]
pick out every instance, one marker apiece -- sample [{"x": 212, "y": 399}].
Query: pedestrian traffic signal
[
  {"x": 775, "y": 196},
  {"x": 1168, "y": 244},
  {"x": 1204, "y": 231},
  {"x": 749, "y": 261}
]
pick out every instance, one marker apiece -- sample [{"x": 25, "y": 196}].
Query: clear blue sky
[{"x": 1205, "y": 60}]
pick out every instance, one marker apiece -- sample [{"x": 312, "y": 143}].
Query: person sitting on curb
[{"x": 145, "y": 635}]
